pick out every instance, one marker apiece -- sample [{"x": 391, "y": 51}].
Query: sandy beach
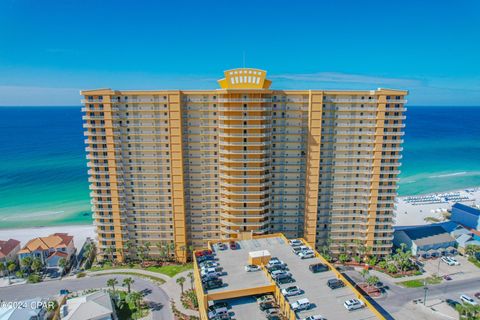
[
  {"x": 79, "y": 232},
  {"x": 412, "y": 210}
]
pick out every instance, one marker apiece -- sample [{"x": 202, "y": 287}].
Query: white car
[
  {"x": 275, "y": 274},
  {"x": 315, "y": 317},
  {"x": 209, "y": 272},
  {"x": 252, "y": 268},
  {"x": 307, "y": 254},
  {"x": 291, "y": 291},
  {"x": 468, "y": 299},
  {"x": 353, "y": 304},
  {"x": 295, "y": 242},
  {"x": 448, "y": 261},
  {"x": 274, "y": 262},
  {"x": 302, "y": 304},
  {"x": 455, "y": 261}
]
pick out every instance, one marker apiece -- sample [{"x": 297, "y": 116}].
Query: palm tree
[
  {"x": 147, "y": 249},
  {"x": 468, "y": 311},
  {"x": 62, "y": 263},
  {"x": 11, "y": 266},
  {"x": 127, "y": 282},
  {"x": 128, "y": 247},
  {"x": 372, "y": 280},
  {"x": 171, "y": 249},
  {"x": 180, "y": 282},
  {"x": 471, "y": 249},
  {"x": 3, "y": 267},
  {"x": 27, "y": 263},
  {"x": 190, "y": 275},
  {"x": 37, "y": 265},
  {"x": 364, "y": 273},
  {"x": 108, "y": 251},
  {"x": 112, "y": 282},
  {"x": 135, "y": 298}
]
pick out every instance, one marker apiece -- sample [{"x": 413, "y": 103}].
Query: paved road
[
  {"x": 156, "y": 298},
  {"x": 398, "y": 297}
]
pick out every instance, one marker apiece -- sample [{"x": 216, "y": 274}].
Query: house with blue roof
[
  {"x": 466, "y": 216},
  {"x": 425, "y": 241}
]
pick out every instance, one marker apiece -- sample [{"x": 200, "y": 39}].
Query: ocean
[{"x": 43, "y": 173}]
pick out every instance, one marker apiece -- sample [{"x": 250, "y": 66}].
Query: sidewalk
[
  {"x": 174, "y": 292},
  {"x": 133, "y": 270}
]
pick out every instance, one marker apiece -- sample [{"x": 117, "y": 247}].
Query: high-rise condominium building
[{"x": 185, "y": 167}]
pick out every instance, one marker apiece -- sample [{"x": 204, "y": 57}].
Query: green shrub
[
  {"x": 81, "y": 275},
  {"x": 34, "y": 278}
]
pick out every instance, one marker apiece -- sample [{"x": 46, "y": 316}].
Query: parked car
[
  {"x": 302, "y": 304},
  {"x": 306, "y": 254},
  {"x": 216, "y": 311},
  {"x": 447, "y": 277},
  {"x": 265, "y": 298},
  {"x": 276, "y": 267},
  {"x": 221, "y": 305},
  {"x": 315, "y": 317},
  {"x": 353, "y": 304},
  {"x": 318, "y": 267},
  {"x": 267, "y": 305},
  {"x": 274, "y": 262},
  {"x": 64, "y": 291},
  {"x": 209, "y": 264},
  {"x": 335, "y": 284},
  {"x": 213, "y": 284},
  {"x": 295, "y": 242},
  {"x": 209, "y": 277},
  {"x": 477, "y": 295},
  {"x": 468, "y": 299},
  {"x": 209, "y": 272},
  {"x": 222, "y": 246},
  {"x": 291, "y": 291},
  {"x": 272, "y": 312},
  {"x": 455, "y": 261},
  {"x": 233, "y": 245},
  {"x": 252, "y": 268},
  {"x": 207, "y": 252},
  {"x": 302, "y": 248},
  {"x": 447, "y": 261},
  {"x": 279, "y": 273},
  {"x": 286, "y": 278},
  {"x": 452, "y": 303}
]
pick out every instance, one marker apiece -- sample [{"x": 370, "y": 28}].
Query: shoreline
[{"x": 406, "y": 214}]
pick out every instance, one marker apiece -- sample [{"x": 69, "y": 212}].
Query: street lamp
[{"x": 426, "y": 289}]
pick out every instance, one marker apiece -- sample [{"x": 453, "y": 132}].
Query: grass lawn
[
  {"x": 171, "y": 270},
  {"x": 133, "y": 273},
  {"x": 474, "y": 261},
  {"x": 419, "y": 282}
]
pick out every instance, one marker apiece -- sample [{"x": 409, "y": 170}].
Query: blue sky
[{"x": 49, "y": 50}]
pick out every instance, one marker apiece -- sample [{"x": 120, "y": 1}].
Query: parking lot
[
  {"x": 466, "y": 269},
  {"x": 325, "y": 301}
]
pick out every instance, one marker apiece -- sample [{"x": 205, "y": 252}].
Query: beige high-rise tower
[{"x": 180, "y": 168}]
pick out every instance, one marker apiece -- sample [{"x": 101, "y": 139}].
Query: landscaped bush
[{"x": 34, "y": 278}]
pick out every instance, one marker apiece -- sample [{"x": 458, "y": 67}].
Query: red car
[
  {"x": 233, "y": 245},
  {"x": 198, "y": 254}
]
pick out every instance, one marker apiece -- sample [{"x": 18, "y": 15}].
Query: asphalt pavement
[{"x": 154, "y": 296}]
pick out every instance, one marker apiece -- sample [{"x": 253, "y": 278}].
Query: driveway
[
  {"x": 155, "y": 297},
  {"x": 466, "y": 269}
]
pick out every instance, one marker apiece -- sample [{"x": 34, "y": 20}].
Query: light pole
[{"x": 426, "y": 289}]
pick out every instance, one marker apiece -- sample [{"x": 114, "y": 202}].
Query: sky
[{"x": 49, "y": 50}]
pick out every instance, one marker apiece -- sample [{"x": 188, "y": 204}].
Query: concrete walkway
[{"x": 174, "y": 292}]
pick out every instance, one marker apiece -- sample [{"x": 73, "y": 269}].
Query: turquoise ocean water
[{"x": 43, "y": 173}]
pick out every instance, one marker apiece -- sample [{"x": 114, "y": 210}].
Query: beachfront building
[
  {"x": 9, "y": 250},
  {"x": 33, "y": 309},
  {"x": 49, "y": 249},
  {"x": 426, "y": 241},
  {"x": 184, "y": 167},
  {"x": 466, "y": 216}
]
